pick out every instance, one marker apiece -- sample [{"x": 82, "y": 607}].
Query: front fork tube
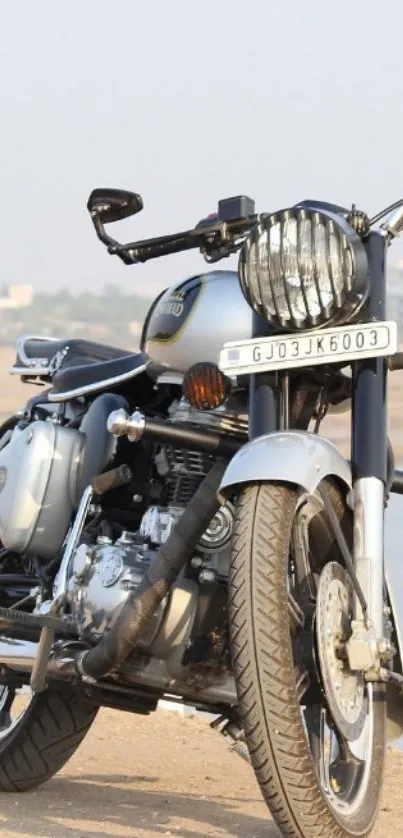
[
  {"x": 369, "y": 463},
  {"x": 266, "y": 405},
  {"x": 368, "y": 548},
  {"x": 369, "y": 458}
]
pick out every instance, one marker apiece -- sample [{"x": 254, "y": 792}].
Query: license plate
[{"x": 325, "y": 346}]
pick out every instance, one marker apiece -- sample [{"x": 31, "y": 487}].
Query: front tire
[{"x": 282, "y": 752}]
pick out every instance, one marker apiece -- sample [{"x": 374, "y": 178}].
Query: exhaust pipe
[
  {"x": 20, "y": 656},
  {"x": 17, "y": 655}
]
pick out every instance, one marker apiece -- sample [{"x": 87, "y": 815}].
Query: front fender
[
  {"x": 304, "y": 460},
  {"x": 297, "y": 457}
]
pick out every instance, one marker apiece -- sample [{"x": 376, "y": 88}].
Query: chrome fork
[
  {"x": 368, "y": 647},
  {"x": 368, "y": 547}
]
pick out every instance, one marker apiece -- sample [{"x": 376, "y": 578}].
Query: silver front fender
[
  {"x": 304, "y": 460},
  {"x": 297, "y": 457}
]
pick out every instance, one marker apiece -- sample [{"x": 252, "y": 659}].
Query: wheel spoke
[
  {"x": 6, "y": 701},
  {"x": 346, "y": 769},
  {"x": 316, "y": 724},
  {"x": 301, "y": 549},
  {"x": 302, "y": 682},
  {"x": 353, "y": 752},
  {"x": 328, "y": 747},
  {"x": 296, "y": 614}
]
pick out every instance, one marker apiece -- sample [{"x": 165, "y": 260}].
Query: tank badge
[{"x": 172, "y": 312}]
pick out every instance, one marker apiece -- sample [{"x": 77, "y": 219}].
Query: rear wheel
[
  {"x": 318, "y": 760},
  {"x": 39, "y": 733}
]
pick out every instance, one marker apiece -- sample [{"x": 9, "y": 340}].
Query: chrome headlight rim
[{"x": 344, "y": 306}]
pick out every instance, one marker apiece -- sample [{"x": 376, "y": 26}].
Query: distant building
[{"x": 18, "y": 296}]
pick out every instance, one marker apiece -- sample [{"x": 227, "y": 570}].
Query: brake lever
[{"x": 216, "y": 254}]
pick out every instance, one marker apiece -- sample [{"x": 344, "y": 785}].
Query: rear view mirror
[{"x": 113, "y": 204}]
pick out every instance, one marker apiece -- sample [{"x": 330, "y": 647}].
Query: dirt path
[{"x": 161, "y": 775}]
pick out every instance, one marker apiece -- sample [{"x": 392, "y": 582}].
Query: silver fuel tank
[{"x": 192, "y": 320}]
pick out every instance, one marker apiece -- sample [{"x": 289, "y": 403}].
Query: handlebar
[
  {"x": 216, "y": 237},
  {"x": 209, "y": 239}
]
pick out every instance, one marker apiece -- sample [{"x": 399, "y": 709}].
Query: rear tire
[
  {"x": 262, "y": 652},
  {"x": 44, "y": 738}
]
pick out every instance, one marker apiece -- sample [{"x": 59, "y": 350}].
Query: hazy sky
[{"x": 187, "y": 102}]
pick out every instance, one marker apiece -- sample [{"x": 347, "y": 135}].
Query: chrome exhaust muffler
[
  {"x": 17, "y": 655},
  {"x": 22, "y": 656}
]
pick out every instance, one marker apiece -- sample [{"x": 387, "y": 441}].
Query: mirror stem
[{"x": 100, "y": 231}]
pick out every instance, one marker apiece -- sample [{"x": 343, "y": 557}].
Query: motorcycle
[{"x": 174, "y": 525}]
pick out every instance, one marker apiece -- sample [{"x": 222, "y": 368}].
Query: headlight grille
[{"x": 298, "y": 268}]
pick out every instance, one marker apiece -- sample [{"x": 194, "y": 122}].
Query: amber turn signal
[{"x": 205, "y": 386}]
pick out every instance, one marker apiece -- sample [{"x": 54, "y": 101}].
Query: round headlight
[{"x": 300, "y": 268}]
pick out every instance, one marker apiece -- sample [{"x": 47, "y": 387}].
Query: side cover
[{"x": 38, "y": 487}]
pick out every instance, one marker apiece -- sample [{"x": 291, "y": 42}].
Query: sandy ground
[{"x": 163, "y": 775}]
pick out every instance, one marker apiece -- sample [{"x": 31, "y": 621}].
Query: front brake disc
[{"x": 344, "y": 690}]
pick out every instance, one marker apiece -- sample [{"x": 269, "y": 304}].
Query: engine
[
  {"x": 192, "y": 620},
  {"x": 102, "y": 576}
]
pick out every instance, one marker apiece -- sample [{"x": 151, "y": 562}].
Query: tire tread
[
  {"x": 48, "y": 734},
  {"x": 263, "y": 665}
]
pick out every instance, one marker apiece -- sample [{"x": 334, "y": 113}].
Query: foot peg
[{"x": 232, "y": 731}]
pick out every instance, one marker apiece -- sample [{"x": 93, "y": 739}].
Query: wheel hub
[{"x": 344, "y": 689}]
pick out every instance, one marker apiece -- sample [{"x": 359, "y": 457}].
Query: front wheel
[{"x": 315, "y": 731}]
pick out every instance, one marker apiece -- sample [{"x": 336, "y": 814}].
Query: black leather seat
[
  {"x": 99, "y": 375},
  {"x": 75, "y": 351},
  {"x": 76, "y": 365}
]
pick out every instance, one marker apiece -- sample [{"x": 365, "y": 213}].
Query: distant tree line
[
  {"x": 109, "y": 315},
  {"x": 110, "y": 305}
]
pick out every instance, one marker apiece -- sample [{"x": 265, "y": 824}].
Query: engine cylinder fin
[{"x": 186, "y": 472}]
